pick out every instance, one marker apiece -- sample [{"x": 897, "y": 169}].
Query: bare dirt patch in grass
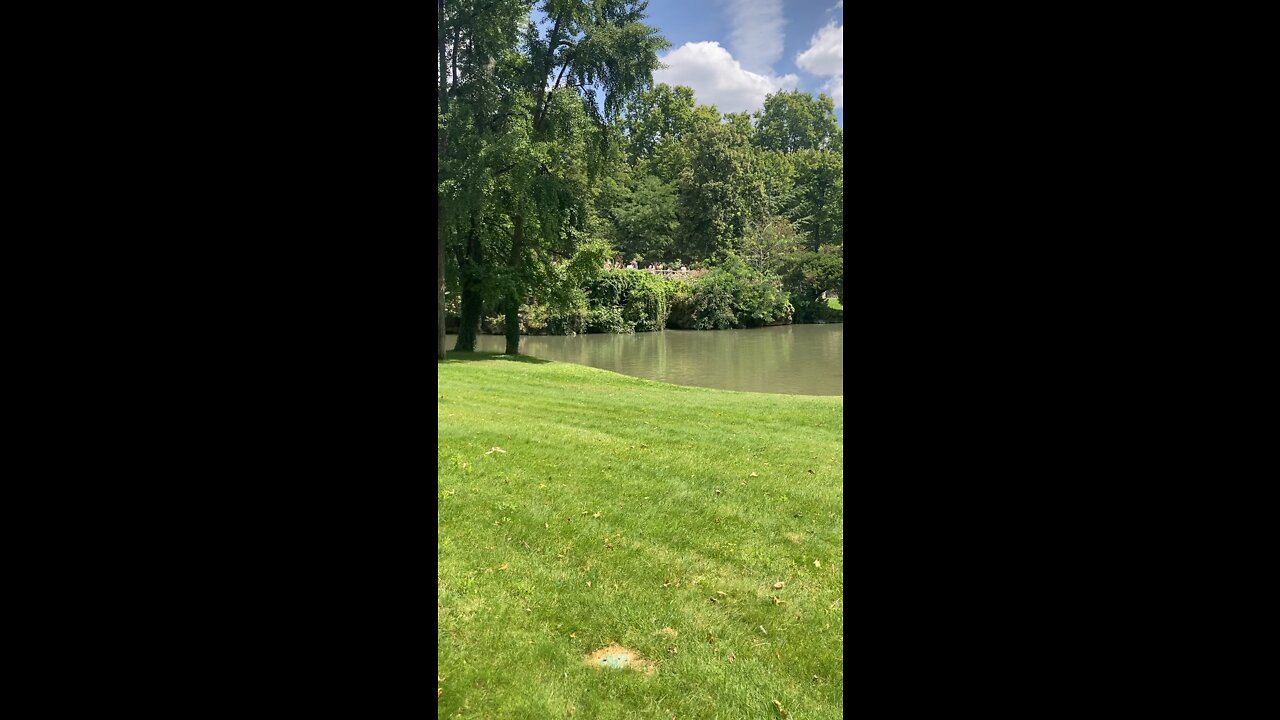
[{"x": 617, "y": 657}]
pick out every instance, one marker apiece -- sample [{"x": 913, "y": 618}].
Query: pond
[{"x": 791, "y": 359}]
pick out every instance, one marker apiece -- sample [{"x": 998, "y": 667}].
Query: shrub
[
  {"x": 607, "y": 320},
  {"x": 642, "y": 299},
  {"x": 732, "y": 295},
  {"x": 543, "y": 320},
  {"x": 806, "y": 275}
]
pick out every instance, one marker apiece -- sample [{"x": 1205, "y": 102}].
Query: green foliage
[
  {"x": 768, "y": 242},
  {"x": 607, "y": 319},
  {"x": 545, "y": 320},
  {"x": 649, "y": 302},
  {"x": 721, "y": 194},
  {"x": 817, "y": 200},
  {"x": 791, "y": 121},
  {"x": 645, "y": 219},
  {"x": 537, "y": 185},
  {"x": 641, "y": 301},
  {"x": 732, "y": 295},
  {"x": 664, "y": 112},
  {"x": 806, "y": 275}
]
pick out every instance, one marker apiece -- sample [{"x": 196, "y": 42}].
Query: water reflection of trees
[{"x": 803, "y": 359}]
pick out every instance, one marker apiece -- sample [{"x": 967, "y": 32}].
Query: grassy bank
[{"x": 653, "y": 516}]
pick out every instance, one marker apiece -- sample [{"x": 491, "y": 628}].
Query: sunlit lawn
[{"x": 659, "y": 517}]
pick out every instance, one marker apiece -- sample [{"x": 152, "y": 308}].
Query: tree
[
  {"x": 441, "y": 149},
  {"x": 645, "y": 220},
  {"x": 768, "y": 243},
  {"x": 593, "y": 48},
  {"x": 473, "y": 35},
  {"x": 791, "y": 121},
  {"x": 807, "y": 274},
  {"x": 817, "y": 199},
  {"x": 721, "y": 193}
]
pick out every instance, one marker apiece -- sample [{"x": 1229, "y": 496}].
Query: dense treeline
[{"x": 559, "y": 157}]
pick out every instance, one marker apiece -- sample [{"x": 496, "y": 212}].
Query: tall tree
[
  {"x": 596, "y": 56},
  {"x": 796, "y": 120},
  {"x": 441, "y": 148},
  {"x": 479, "y": 35},
  {"x": 721, "y": 194},
  {"x": 817, "y": 201}
]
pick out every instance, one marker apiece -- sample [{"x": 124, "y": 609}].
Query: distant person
[{"x": 633, "y": 265}]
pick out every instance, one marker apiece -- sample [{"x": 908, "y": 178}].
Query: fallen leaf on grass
[
  {"x": 439, "y": 692},
  {"x": 495, "y": 449},
  {"x": 732, "y": 658},
  {"x": 504, "y": 566},
  {"x": 669, "y": 631},
  {"x": 779, "y": 585},
  {"x": 755, "y": 475},
  {"x": 783, "y": 713},
  {"x": 817, "y": 563},
  {"x": 776, "y": 601},
  {"x": 766, "y": 632}
]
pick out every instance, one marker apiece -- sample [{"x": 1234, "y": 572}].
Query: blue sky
[
  {"x": 763, "y": 45},
  {"x": 734, "y": 52}
]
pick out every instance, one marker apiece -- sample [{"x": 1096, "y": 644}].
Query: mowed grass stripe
[{"x": 512, "y": 638}]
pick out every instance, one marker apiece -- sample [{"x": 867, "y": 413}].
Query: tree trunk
[
  {"x": 472, "y": 299},
  {"x": 440, "y": 351},
  {"x": 516, "y": 291}
]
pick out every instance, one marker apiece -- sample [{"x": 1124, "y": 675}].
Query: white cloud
[
  {"x": 835, "y": 88},
  {"x": 825, "y": 56},
  {"x": 757, "y": 35},
  {"x": 718, "y": 79}
]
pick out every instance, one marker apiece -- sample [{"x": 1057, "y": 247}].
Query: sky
[{"x": 734, "y": 52}]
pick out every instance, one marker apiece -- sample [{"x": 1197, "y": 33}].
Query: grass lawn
[
  {"x": 834, "y": 303},
  {"x": 651, "y": 516}
]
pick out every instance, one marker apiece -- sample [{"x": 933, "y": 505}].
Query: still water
[{"x": 792, "y": 359}]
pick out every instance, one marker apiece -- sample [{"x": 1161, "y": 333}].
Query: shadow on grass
[{"x": 452, "y": 357}]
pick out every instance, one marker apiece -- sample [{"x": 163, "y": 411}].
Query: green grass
[
  {"x": 834, "y": 303},
  {"x": 601, "y": 522}
]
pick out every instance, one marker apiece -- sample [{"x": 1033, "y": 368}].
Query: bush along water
[{"x": 732, "y": 294}]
